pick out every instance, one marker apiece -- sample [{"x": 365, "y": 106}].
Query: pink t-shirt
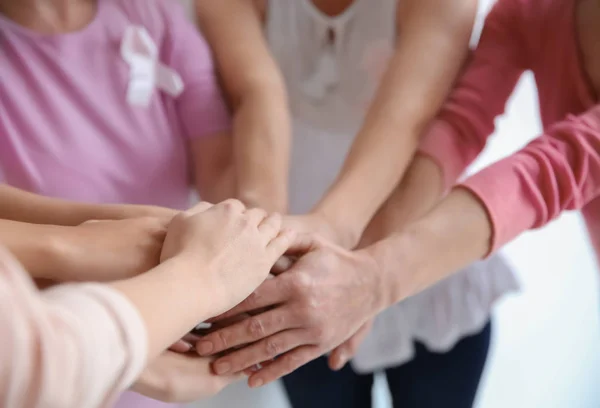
[
  {"x": 66, "y": 127},
  {"x": 560, "y": 170}
]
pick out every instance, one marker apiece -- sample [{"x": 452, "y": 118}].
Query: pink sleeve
[
  {"x": 72, "y": 346},
  {"x": 558, "y": 171},
  {"x": 201, "y": 107},
  {"x": 459, "y": 134}
]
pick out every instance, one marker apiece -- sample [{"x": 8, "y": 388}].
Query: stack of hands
[{"x": 320, "y": 297}]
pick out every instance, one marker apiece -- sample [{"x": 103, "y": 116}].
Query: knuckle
[
  {"x": 252, "y": 300},
  {"x": 232, "y": 204},
  {"x": 301, "y": 283},
  {"x": 320, "y": 334},
  {"x": 223, "y": 339},
  {"x": 272, "y": 348},
  {"x": 256, "y": 328},
  {"x": 290, "y": 362}
]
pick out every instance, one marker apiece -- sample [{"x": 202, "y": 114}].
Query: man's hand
[
  {"x": 319, "y": 303},
  {"x": 180, "y": 378}
]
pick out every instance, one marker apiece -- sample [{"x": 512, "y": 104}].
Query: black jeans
[{"x": 430, "y": 380}]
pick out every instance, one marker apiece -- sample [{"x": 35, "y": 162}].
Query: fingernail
[
  {"x": 222, "y": 368},
  {"x": 204, "y": 348},
  {"x": 340, "y": 362},
  {"x": 256, "y": 383}
]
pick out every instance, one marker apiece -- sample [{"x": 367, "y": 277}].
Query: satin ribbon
[{"x": 146, "y": 72}]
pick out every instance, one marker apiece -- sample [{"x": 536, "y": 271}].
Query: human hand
[
  {"x": 317, "y": 224},
  {"x": 232, "y": 249},
  {"x": 180, "y": 378},
  {"x": 108, "y": 250},
  {"x": 319, "y": 303}
]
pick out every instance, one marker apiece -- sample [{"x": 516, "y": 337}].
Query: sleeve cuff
[{"x": 510, "y": 206}]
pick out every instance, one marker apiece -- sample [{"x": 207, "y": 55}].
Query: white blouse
[{"x": 332, "y": 67}]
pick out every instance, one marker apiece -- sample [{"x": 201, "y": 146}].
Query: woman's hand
[
  {"x": 181, "y": 378},
  {"x": 318, "y": 224},
  {"x": 230, "y": 248},
  {"x": 106, "y": 250}
]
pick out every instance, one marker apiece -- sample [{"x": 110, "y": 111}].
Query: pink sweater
[
  {"x": 560, "y": 170},
  {"x": 72, "y": 346}
]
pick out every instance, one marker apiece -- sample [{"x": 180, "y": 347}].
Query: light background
[{"x": 546, "y": 340}]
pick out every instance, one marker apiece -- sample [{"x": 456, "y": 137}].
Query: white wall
[{"x": 546, "y": 342}]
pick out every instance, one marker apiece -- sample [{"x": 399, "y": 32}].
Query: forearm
[
  {"x": 262, "y": 147},
  {"x": 19, "y": 205},
  {"x": 410, "y": 94},
  {"x": 420, "y": 189},
  {"x": 39, "y": 248},
  {"x": 184, "y": 301},
  {"x": 456, "y": 233}
]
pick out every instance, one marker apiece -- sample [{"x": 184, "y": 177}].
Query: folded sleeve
[
  {"x": 71, "y": 346},
  {"x": 558, "y": 171}
]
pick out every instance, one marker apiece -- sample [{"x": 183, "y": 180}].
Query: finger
[
  {"x": 264, "y": 350},
  {"x": 284, "y": 365},
  {"x": 200, "y": 207},
  {"x": 280, "y": 244},
  {"x": 270, "y": 227},
  {"x": 182, "y": 346},
  {"x": 271, "y": 292},
  {"x": 256, "y": 216},
  {"x": 247, "y": 331},
  {"x": 282, "y": 264},
  {"x": 340, "y": 356}
]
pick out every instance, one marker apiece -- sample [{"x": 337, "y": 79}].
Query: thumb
[{"x": 340, "y": 356}]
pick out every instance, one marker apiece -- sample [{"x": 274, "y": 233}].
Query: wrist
[
  {"x": 267, "y": 200},
  {"x": 399, "y": 262},
  {"x": 337, "y": 229}
]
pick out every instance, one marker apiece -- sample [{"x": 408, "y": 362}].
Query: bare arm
[
  {"x": 19, "y": 205},
  {"x": 214, "y": 169},
  {"x": 462, "y": 127},
  {"x": 432, "y": 45},
  {"x": 256, "y": 94}
]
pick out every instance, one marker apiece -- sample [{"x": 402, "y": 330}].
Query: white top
[{"x": 332, "y": 66}]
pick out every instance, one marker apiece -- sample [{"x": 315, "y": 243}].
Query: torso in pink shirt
[
  {"x": 67, "y": 129},
  {"x": 558, "y": 171}
]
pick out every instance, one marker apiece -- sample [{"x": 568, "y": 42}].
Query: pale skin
[
  {"x": 400, "y": 264},
  {"x": 413, "y": 88},
  {"x": 74, "y": 251}
]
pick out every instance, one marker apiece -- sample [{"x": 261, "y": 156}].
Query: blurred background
[{"x": 546, "y": 340}]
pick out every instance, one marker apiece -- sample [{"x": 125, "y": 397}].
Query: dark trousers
[{"x": 430, "y": 380}]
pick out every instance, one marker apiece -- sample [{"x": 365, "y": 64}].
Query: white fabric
[
  {"x": 146, "y": 72},
  {"x": 330, "y": 85}
]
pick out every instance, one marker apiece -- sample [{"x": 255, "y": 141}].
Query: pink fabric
[
  {"x": 71, "y": 346},
  {"x": 558, "y": 171},
  {"x": 66, "y": 129}
]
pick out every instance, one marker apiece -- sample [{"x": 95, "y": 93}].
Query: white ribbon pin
[{"x": 146, "y": 72}]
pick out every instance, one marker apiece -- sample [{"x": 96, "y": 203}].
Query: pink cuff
[
  {"x": 441, "y": 143},
  {"x": 510, "y": 206}
]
